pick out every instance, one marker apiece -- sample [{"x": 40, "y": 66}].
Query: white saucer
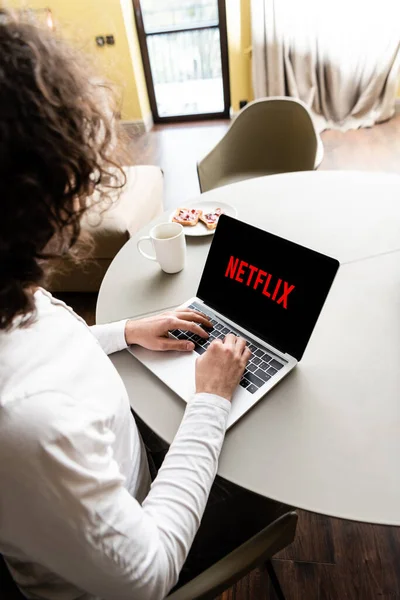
[{"x": 206, "y": 206}]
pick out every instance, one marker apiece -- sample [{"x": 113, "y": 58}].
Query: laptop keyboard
[{"x": 261, "y": 367}]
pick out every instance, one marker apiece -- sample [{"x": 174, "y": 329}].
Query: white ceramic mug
[{"x": 169, "y": 243}]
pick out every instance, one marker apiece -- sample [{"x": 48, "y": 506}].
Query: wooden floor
[
  {"x": 177, "y": 148},
  {"x": 330, "y": 559}
]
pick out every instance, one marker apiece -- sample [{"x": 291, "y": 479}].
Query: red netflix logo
[{"x": 241, "y": 271}]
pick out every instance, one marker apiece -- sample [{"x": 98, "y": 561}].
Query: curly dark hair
[{"x": 57, "y": 146}]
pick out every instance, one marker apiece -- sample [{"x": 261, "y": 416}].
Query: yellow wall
[
  {"x": 239, "y": 41},
  {"x": 135, "y": 55},
  {"x": 80, "y": 21}
]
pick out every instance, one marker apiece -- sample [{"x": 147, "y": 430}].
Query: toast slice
[
  {"x": 211, "y": 219},
  {"x": 187, "y": 216}
]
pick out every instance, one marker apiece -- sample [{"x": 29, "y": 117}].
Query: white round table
[{"x": 327, "y": 438}]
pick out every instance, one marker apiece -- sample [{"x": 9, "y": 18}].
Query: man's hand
[
  {"x": 219, "y": 369},
  {"x": 152, "y": 333}
]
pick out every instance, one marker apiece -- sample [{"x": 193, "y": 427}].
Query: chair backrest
[
  {"x": 272, "y": 135},
  {"x": 253, "y": 553}
]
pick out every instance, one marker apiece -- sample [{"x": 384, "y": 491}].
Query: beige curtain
[{"x": 341, "y": 57}]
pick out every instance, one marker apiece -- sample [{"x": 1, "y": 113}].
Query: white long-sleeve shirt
[{"x": 78, "y": 519}]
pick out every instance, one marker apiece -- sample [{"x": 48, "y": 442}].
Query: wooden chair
[
  {"x": 8, "y": 589},
  {"x": 254, "y": 553},
  {"x": 269, "y": 136}
]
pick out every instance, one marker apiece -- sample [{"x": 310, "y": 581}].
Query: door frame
[{"x": 147, "y": 66}]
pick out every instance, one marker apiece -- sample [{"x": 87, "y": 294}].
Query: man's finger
[
  {"x": 217, "y": 342},
  {"x": 230, "y": 340},
  {"x": 193, "y": 315},
  {"x": 190, "y": 326},
  {"x": 240, "y": 345},
  {"x": 177, "y": 345},
  {"x": 246, "y": 355}
]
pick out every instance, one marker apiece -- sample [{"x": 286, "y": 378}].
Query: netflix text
[{"x": 272, "y": 287}]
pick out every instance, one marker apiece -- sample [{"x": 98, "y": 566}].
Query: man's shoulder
[{"x": 31, "y": 414}]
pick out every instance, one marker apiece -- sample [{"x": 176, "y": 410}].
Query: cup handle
[{"x": 140, "y": 240}]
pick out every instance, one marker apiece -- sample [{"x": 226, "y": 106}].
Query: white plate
[{"x": 206, "y": 206}]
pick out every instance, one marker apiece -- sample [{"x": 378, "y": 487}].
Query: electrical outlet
[
  {"x": 100, "y": 40},
  {"x": 110, "y": 40}
]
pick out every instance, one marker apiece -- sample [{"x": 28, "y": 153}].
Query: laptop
[{"x": 262, "y": 287}]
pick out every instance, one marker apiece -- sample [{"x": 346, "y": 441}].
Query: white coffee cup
[{"x": 169, "y": 243}]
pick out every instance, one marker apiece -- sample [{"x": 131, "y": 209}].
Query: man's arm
[
  {"x": 111, "y": 336},
  {"x": 82, "y": 523},
  {"x": 152, "y": 332}
]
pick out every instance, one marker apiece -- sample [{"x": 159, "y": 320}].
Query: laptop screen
[{"x": 270, "y": 286}]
